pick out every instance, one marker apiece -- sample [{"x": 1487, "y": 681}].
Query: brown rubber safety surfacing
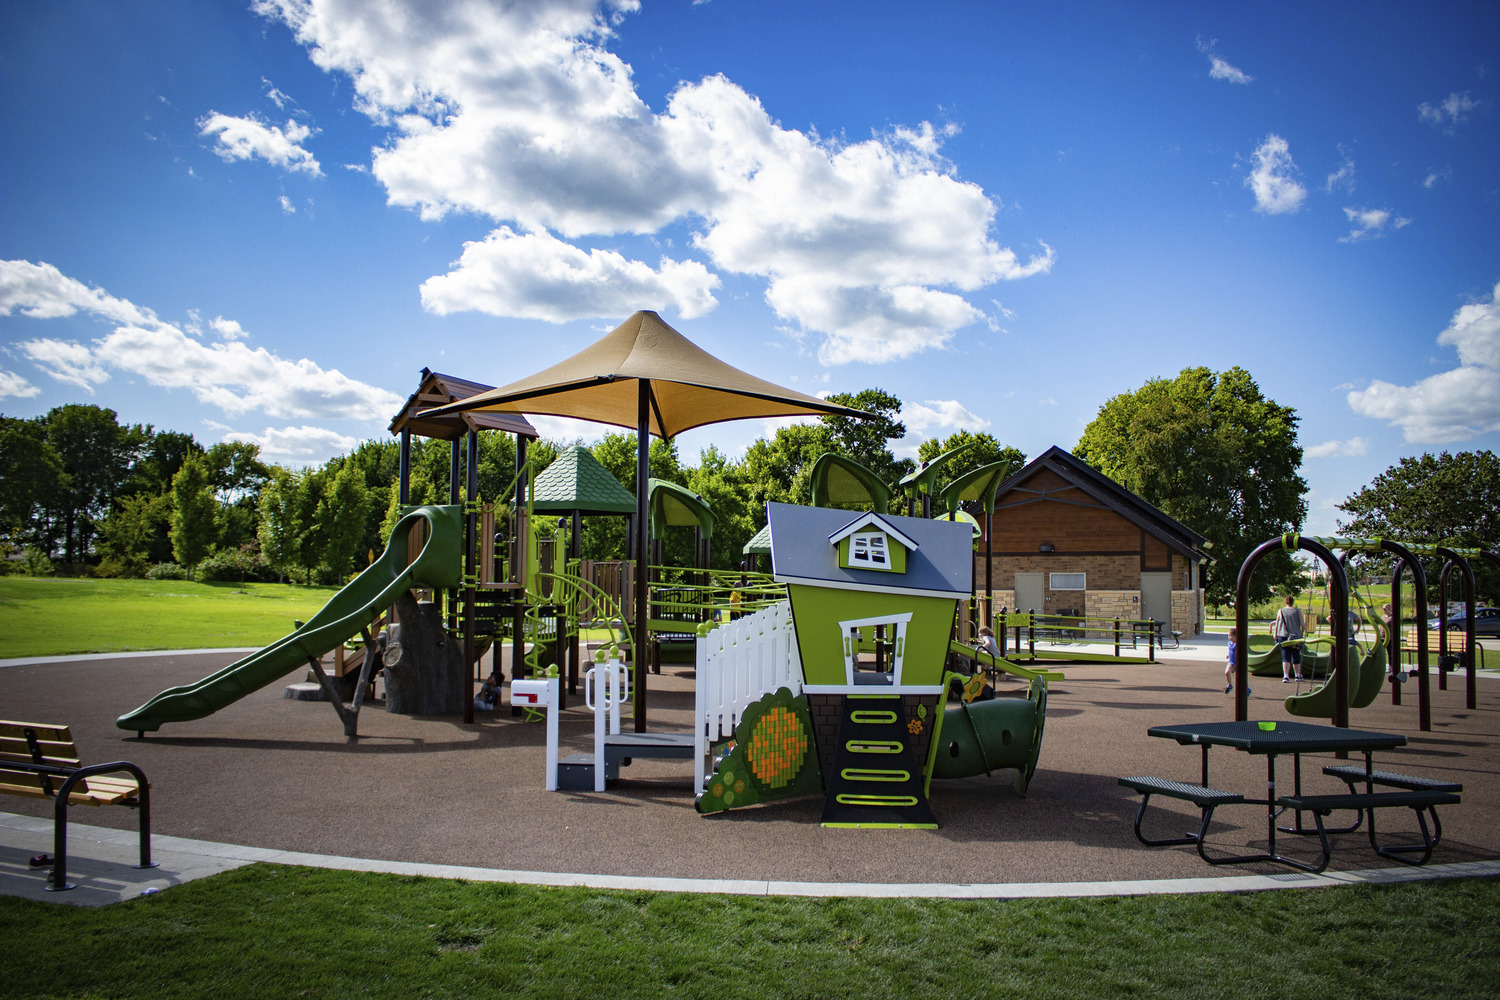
[{"x": 277, "y": 773}]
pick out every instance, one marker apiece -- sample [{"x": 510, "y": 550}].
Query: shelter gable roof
[
  {"x": 437, "y": 389},
  {"x": 1056, "y": 470},
  {"x": 576, "y": 481}
]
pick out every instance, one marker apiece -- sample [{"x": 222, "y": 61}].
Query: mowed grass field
[
  {"x": 276, "y": 931},
  {"x": 53, "y": 616}
]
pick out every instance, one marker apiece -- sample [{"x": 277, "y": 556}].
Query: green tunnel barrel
[{"x": 988, "y": 736}]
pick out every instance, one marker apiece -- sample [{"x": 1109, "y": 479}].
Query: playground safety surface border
[{"x": 277, "y": 779}]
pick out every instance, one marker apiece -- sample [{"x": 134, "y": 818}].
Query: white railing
[{"x": 740, "y": 662}]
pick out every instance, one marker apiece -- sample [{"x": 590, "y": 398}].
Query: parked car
[{"x": 1486, "y": 622}]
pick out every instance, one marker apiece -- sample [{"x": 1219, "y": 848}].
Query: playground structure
[
  {"x": 843, "y": 689},
  {"x": 1356, "y": 682}
]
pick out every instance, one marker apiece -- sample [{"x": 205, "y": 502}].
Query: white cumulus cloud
[
  {"x": 520, "y": 113},
  {"x": 16, "y": 386},
  {"x": 536, "y": 276},
  {"x": 1354, "y": 447},
  {"x": 304, "y": 445},
  {"x": 1218, "y": 69},
  {"x": 1454, "y": 110},
  {"x": 1454, "y": 405},
  {"x": 248, "y": 138},
  {"x": 41, "y": 291},
  {"x": 228, "y": 374},
  {"x": 1371, "y": 224},
  {"x": 1272, "y": 179}
]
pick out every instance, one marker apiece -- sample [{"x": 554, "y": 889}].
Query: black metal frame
[{"x": 57, "y": 880}]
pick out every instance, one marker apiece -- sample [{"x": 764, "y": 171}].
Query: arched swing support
[
  {"x": 1338, "y": 611},
  {"x": 1454, "y": 560}
]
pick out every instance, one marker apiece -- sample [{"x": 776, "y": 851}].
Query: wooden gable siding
[{"x": 1048, "y": 509}]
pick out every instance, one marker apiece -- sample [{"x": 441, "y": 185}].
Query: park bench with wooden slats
[{"x": 41, "y": 761}]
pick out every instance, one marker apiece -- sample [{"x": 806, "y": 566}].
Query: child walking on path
[{"x": 1234, "y": 644}]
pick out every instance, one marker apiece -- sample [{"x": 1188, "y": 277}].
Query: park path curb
[{"x": 99, "y": 861}]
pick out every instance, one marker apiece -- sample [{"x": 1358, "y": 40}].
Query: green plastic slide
[
  {"x": 439, "y": 564},
  {"x": 991, "y": 662}
]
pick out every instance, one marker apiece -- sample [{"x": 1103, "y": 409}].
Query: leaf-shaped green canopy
[
  {"x": 980, "y": 484},
  {"x": 838, "y": 481}
]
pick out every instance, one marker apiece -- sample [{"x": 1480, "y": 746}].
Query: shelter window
[{"x": 1067, "y": 581}]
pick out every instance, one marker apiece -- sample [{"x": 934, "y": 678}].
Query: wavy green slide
[{"x": 439, "y": 564}]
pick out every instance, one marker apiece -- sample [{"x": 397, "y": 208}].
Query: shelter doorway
[
  {"x": 1030, "y": 592},
  {"x": 1156, "y": 597}
]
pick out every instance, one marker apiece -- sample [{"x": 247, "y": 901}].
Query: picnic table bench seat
[
  {"x": 1354, "y": 774},
  {"x": 1422, "y": 802},
  {"x": 1206, "y": 799},
  {"x": 41, "y": 761}
]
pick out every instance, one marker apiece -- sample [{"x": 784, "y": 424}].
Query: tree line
[{"x": 82, "y": 493}]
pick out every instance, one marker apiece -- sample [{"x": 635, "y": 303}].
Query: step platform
[{"x": 575, "y": 772}]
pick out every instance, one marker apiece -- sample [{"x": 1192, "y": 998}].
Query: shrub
[
  {"x": 37, "y": 563},
  {"x": 167, "y": 571},
  {"x": 233, "y": 566}
]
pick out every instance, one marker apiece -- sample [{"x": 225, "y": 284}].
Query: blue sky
[{"x": 261, "y": 220}]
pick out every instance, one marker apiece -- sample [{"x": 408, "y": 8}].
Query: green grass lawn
[
  {"x": 52, "y": 616},
  {"x": 271, "y": 931}
]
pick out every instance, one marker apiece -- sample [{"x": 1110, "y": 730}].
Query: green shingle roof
[{"x": 576, "y": 481}]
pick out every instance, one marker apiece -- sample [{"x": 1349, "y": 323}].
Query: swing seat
[{"x": 1366, "y": 678}]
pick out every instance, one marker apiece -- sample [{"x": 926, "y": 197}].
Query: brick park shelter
[{"x": 1068, "y": 540}]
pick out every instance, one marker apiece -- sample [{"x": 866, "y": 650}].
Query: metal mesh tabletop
[{"x": 1287, "y": 737}]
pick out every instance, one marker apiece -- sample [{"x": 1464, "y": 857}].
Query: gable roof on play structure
[
  {"x": 576, "y": 481},
  {"x": 804, "y": 550},
  {"x": 870, "y": 519},
  {"x": 437, "y": 389}
]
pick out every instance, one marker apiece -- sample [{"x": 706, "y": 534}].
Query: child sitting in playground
[
  {"x": 987, "y": 642},
  {"x": 488, "y": 698}
]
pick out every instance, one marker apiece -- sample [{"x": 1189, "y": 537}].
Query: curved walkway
[{"x": 277, "y": 778}]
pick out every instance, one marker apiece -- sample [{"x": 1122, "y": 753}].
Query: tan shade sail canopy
[
  {"x": 689, "y": 386},
  {"x": 647, "y": 376}
]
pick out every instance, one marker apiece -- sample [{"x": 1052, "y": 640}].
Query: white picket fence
[{"x": 738, "y": 663}]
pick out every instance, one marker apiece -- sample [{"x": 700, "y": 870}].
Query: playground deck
[{"x": 278, "y": 774}]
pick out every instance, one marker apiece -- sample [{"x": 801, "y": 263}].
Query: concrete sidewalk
[{"x": 101, "y": 865}]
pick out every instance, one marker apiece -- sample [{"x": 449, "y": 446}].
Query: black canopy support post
[
  {"x": 1471, "y": 698},
  {"x": 575, "y": 551},
  {"x": 1338, "y": 610},
  {"x": 642, "y": 535},
  {"x": 1419, "y": 591},
  {"x": 1442, "y": 617},
  {"x": 989, "y": 567},
  {"x": 1394, "y": 654},
  {"x": 471, "y": 565},
  {"x": 405, "y": 488}
]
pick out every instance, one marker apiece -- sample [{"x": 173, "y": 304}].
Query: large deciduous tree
[
  {"x": 1213, "y": 452},
  {"x": 31, "y": 479},
  {"x": 1443, "y": 499},
  {"x": 194, "y": 512},
  {"x": 97, "y": 453}
]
